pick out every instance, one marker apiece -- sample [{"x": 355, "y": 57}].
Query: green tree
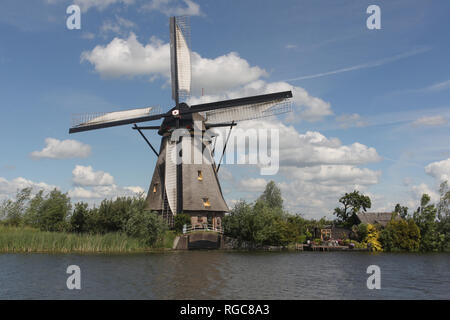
[
  {"x": 425, "y": 218},
  {"x": 269, "y": 225},
  {"x": 13, "y": 211},
  {"x": 401, "y": 211},
  {"x": 352, "y": 203},
  {"x": 443, "y": 212},
  {"x": 401, "y": 235},
  {"x": 272, "y": 196},
  {"x": 239, "y": 224},
  {"x": 260, "y": 224},
  {"x": 53, "y": 211},
  {"x": 31, "y": 217},
  {"x": 297, "y": 228},
  {"x": 78, "y": 217},
  {"x": 113, "y": 215}
]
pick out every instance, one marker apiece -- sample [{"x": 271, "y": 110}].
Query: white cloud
[
  {"x": 229, "y": 74},
  {"x": 88, "y": 35},
  {"x": 350, "y": 120},
  {"x": 439, "y": 170},
  {"x": 82, "y": 193},
  {"x": 430, "y": 121},
  {"x": 418, "y": 190},
  {"x": 172, "y": 7},
  {"x": 62, "y": 149},
  {"x": 168, "y": 7},
  {"x": 8, "y": 188},
  {"x": 313, "y": 148},
  {"x": 334, "y": 174},
  {"x": 86, "y": 176},
  {"x": 85, "y": 5},
  {"x": 223, "y": 73},
  {"x": 314, "y": 191},
  {"x": 104, "y": 192},
  {"x": 253, "y": 184},
  {"x": 130, "y": 58},
  {"x": 90, "y": 192},
  {"x": 91, "y": 185},
  {"x": 120, "y": 26},
  {"x": 315, "y": 170}
]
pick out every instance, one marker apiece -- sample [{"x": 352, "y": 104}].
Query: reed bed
[{"x": 27, "y": 239}]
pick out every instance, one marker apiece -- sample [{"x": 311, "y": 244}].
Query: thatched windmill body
[{"x": 176, "y": 187}]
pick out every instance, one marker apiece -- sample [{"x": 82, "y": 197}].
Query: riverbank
[{"x": 27, "y": 240}]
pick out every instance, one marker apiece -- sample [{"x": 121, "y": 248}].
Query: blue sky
[{"x": 371, "y": 105}]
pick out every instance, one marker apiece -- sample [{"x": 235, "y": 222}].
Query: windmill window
[
  {"x": 199, "y": 175},
  {"x": 154, "y": 187},
  {"x": 206, "y": 202}
]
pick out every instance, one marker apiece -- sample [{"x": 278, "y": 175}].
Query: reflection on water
[{"x": 226, "y": 275}]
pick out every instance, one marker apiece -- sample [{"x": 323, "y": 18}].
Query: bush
[
  {"x": 259, "y": 224},
  {"x": 112, "y": 215},
  {"x": 373, "y": 235},
  {"x": 180, "y": 220},
  {"x": 358, "y": 245},
  {"x": 146, "y": 226},
  {"x": 360, "y": 232},
  {"x": 401, "y": 235}
]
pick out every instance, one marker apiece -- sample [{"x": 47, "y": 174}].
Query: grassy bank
[{"x": 33, "y": 240}]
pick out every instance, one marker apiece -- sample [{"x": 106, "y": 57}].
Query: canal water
[{"x": 226, "y": 275}]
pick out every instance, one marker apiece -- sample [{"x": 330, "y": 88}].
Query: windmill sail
[
  {"x": 248, "y": 112},
  {"x": 180, "y": 56},
  {"x": 171, "y": 176},
  {"x": 245, "y": 108},
  {"x": 92, "y": 121}
]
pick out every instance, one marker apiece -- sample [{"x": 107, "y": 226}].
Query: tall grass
[{"x": 25, "y": 239}]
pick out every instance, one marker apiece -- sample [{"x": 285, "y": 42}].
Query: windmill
[{"x": 175, "y": 187}]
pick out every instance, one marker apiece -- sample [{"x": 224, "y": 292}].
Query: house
[
  {"x": 381, "y": 218},
  {"x": 332, "y": 232}
]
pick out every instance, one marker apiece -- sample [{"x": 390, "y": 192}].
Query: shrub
[
  {"x": 372, "y": 238},
  {"x": 360, "y": 232},
  {"x": 180, "y": 220},
  {"x": 401, "y": 235},
  {"x": 146, "y": 226}
]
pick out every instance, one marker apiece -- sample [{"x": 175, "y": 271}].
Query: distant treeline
[{"x": 263, "y": 222}]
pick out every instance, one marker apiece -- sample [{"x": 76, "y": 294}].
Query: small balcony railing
[{"x": 203, "y": 227}]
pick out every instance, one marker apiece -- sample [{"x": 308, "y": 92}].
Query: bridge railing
[{"x": 204, "y": 227}]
